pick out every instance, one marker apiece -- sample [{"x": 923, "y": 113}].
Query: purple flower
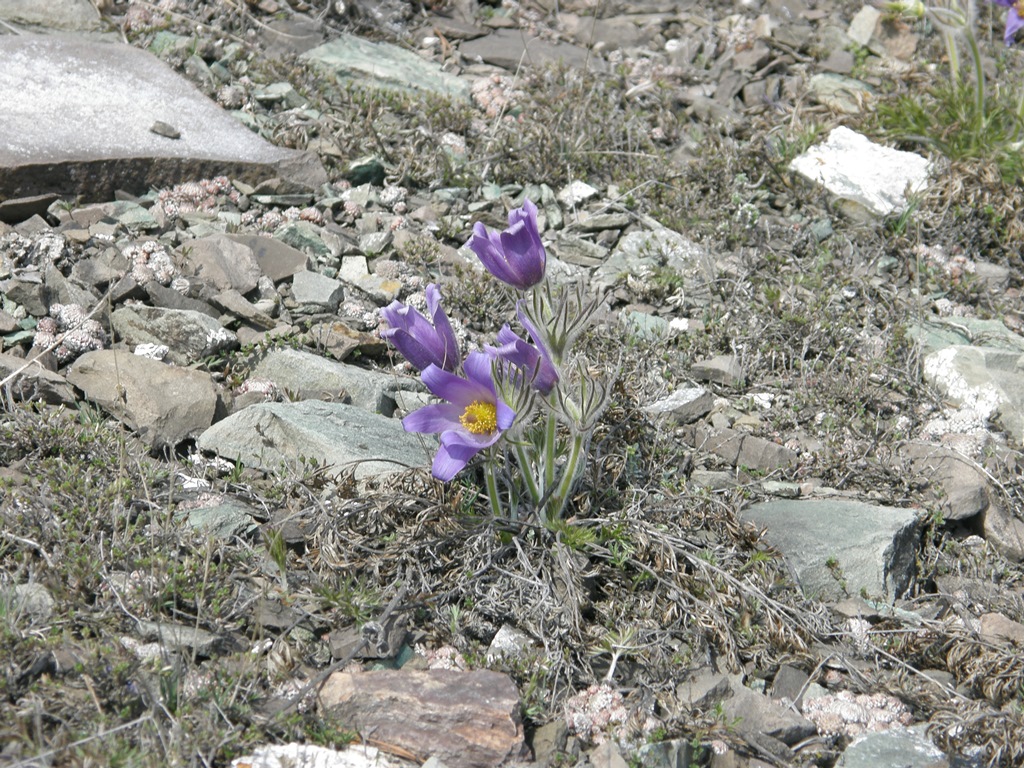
[
  {"x": 533, "y": 360},
  {"x": 422, "y": 342},
  {"x": 472, "y": 419},
  {"x": 1014, "y": 22},
  {"x": 515, "y": 256}
]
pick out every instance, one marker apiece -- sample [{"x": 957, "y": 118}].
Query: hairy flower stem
[
  {"x": 560, "y": 496},
  {"x": 550, "y": 448},
  {"x": 490, "y": 477}
]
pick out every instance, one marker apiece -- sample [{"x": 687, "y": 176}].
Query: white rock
[
  {"x": 854, "y": 168},
  {"x": 311, "y": 756}
]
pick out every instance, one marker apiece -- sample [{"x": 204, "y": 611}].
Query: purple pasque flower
[
  {"x": 1014, "y": 18},
  {"x": 533, "y": 360},
  {"x": 422, "y": 342},
  {"x": 515, "y": 256},
  {"x": 474, "y": 417}
]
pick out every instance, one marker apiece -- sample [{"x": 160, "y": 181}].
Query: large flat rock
[{"x": 77, "y": 118}]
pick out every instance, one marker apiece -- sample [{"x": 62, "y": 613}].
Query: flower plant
[{"x": 527, "y": 405}]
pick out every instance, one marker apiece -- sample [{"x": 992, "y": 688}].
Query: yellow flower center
[{"x": 480, "y": 418}]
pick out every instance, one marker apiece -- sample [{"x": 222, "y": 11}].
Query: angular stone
[
  {"x": 466, "y": 719},
  {"x": 642, "y": 251},
  {"x": 755, "y": 713},
  {"x": 905, "y": 747},
  {"x": 339, "y": 340},
  {"x": 235, "y": 303},
  {"x": 78, "y": 15},
  {"x": 985, "y": 379},
  {"x": 854, "y": 168},
  {"x": 75, "y": 125},
  {"x": 1004, "y": 531},
  {"x": 315, "y": 292},
  {"x": 31, "y": 381},
  {"x": 510, "y": 48},
  {"x": 269, "y": 435},
  {"x": 837, "y": 547},
  {"x": 996, "y": 628},
  {"x": 686, "y": 404},
  {"x": 189, "y": 336},
  {"x": 306, "y": 376},
  {"x": 740, "y": 449},
  {"x": 722, "y": 369},
  {"x": 355, "y": 61},
  {"x": 276, "y": 259},
  {"x": 162, "y": 403},
  {"x": 958, "y": 486},
  {"x": 183, "y": 638},
  {"x": 222, "y": 263}
]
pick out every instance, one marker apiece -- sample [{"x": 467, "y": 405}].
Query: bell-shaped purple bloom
[
  {"x": 423, "y": 342},
  {"x": 533, "y": 360},
  {"x": 515, "y": 256},
  {"x": 1014, "y": 21},
  {"x": 474, "y": 417}
]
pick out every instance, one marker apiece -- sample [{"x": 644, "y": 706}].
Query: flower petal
[
  {"x": 455, "y": 389},
  {"x": 439, "y": 417},
  {"x": 443, "y": 329},
  {"x": 478, "y": 371},
  {"x": 447, "y": 465}
]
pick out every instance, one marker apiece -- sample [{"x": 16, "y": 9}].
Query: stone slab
[
  {"x": 839, "y": 547},
  {"x": 77, "y": 121},
  {"x": 55, "y": 14}
]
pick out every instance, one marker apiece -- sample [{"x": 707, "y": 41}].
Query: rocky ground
[{"x": 799, "y": 535}]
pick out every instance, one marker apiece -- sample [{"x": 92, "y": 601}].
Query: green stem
[
  {"x": 556, "y": 504},
  {"x": 550, "y": 447},
  {"x": 492, "y": 486},
  {"x": 527, "y": 469},
  {"x": 979, "y": 77}
]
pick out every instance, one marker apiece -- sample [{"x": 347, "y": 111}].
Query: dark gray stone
[
  {"x": 869, "y": 548},
  {"x": 269, "y": 435},
  {"x": 75, "y": 125}
]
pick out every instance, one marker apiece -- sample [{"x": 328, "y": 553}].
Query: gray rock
[
  {"x": 31, "y": 381},
  {"x": 855, "y": 169},
  {"x": 32, "y": 600},
  {"x": 905, "y": 747},
  {"x": 466, "y": 719},
  {"x": 78, "y": 15},
  {"x": 307, "y": 376},
  {"x": 741, "y": 449},
  {"x": 984, "y": 379},
  {"x": 339, "y": 340},
  {"x": 221, "y": 521},
  {"x": 608, "y": 754},
  {"x": 754, "y": 713},
  {"x": 308, "y": 238},
  {"x": 643, "y": 251},
  {"x": 235, "y": 303},
  {"x": 314, "y": 292},
  {"x": 334, "y": 434},
  {"x": 841, "y": 94},
  {"x": 162, "y": 403},
  {"x": 276, "y": 259},
  {"x": 673, "y": 753},
  {"x": 221, "y": 262},
  {"x": 723, "y": 369},
  {"x": 573, "y": 249},
  {"x": 1004, "y": 531},
  {"x": 81, "y": 128},
  {"x": 958, "y": 486},
  {"x": 645, "y": 326},
  {"x": 354, "y": 61},
  {"x": 686, "y": 404},
  {"x": 870, "y": 548},
  {"x": 189, "y": 336},
  {"x": 182, "y": 638},
  {"x": 510, "y": 48},
  {"x": 937, "y": 334}
]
